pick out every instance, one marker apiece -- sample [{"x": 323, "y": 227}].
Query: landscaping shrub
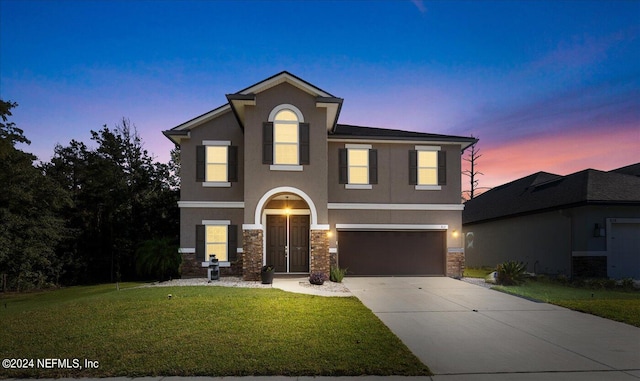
[
  {"x": 511, "y": 273},
  {"x": 336, "y": 274},
  {"x": 317, "y": 278}
]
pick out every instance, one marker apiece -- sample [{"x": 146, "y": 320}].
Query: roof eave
[
  {"x": 333, "y": 106},
  {"x": 176, "y": 136},
  {"x": 238, "y": 103}
]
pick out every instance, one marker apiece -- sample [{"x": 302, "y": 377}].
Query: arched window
[{"x": 285, "y": 138}]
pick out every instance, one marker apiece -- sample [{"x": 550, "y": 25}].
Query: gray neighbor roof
[{"x": 544, "y": 191}]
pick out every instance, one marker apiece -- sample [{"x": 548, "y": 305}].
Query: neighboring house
[
  {"x": 586, "y": 224},
  {"x": 271, "y": 177}
]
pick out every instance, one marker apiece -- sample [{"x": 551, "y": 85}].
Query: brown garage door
[{"x": 392, "y": 252}]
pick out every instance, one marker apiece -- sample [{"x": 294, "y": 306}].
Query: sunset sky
[{"x": 546, "y": 86}]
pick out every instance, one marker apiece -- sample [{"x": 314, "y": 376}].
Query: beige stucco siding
[
  {"x": 393, "y": 177},
  {"x": 453, "y": 220},
  {"x": 258, "y": 177},
  {"x": 190, "y": 217},
  {"x": 224, "y": 128}
]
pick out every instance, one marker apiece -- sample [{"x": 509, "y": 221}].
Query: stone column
[
  {"x": 455, "y": 264},
  {"x": 320, "y": 261},
  {"x": 252, "y": 255}
]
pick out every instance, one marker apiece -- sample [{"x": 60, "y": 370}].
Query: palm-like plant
[
  {"x": 158, "y": 258},
  {"x": 511, "y": 273}
]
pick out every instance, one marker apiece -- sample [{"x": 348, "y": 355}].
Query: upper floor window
[
  {"x": 427, "y": 167},
  {"x": 216, "y": 163},
  {"x": 216, "y": 170},
  {"x": 285, "y": 139},
  {"x": 358, "y": 166}
]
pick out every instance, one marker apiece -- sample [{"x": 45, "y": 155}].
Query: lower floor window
[{"x": 216, "y": 242}]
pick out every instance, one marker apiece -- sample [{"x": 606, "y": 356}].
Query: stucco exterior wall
[
  {"x": 258, "y": 178},
  {"x": 190, "y": 217},
  {"x": 393, "y": 177},
  {"x": 542, "y": 241},
  {"x": 385, "y": 217},
  {"x": 224, "y": 127}
]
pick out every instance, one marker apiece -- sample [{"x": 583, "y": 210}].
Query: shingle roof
[
  {"x": 346, "y": 131},
  {"x": 544, "y": 191}
]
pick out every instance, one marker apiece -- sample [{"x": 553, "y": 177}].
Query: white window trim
[
  {"x": 374, "y": 206},
  {"x": 430, "y": 187},
  {"x": 211, "y": 204},
  {"x": 376, "y": 227},
  {"x": 286, "y": 167},
  {"x": 215, "y": 184},
  {"x": 218, "y": 143},
  {"x": 286, "y": 106},
  {"x": 357, "y": 186},
  {"x": 428, "y": 148},
  {"x": 217, "y": 223},
  {"x": 272, "y": 116}
]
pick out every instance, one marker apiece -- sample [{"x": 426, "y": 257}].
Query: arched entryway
[
  {"x": 293, "y": 212},
  {"x": 286, "y": 219}
]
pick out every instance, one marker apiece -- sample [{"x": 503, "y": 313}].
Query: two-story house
[{"x": 271, "y": 177}]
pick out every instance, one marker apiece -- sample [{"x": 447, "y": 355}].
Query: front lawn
[
  {"x": 623, "y": 306},
  {"x": 478, "y": 272},
  {"x": 199, "y": 331}
]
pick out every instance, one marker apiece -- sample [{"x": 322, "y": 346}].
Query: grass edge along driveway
[
  {"x": 618, "y": 305},
  {"x": 212, "y": 331}
]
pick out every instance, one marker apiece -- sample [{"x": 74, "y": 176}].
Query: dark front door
[
  {"x": 299, "y": 244},
  {"x": 288, "y": 243},
  {"x": 277, "y": 242}
]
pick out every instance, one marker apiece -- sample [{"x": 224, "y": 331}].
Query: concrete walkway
[{"x": 466, "y": 332}]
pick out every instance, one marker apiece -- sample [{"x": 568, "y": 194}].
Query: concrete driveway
[{"x": 467, "y": 332}]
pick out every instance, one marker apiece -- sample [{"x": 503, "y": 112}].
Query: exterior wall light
[
  {"x": 454, "y": 233},
  {"x": 599, "y": 231}
]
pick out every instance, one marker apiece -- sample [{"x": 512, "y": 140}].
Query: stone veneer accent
[
  {"x": 252, "y": 256},
  {"x": 191, "y": 268},
  {"x": 320, "y": 259},
  {"x": 455, "y": 264}
]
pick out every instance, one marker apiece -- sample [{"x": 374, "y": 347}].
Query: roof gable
[{"x": 247, "y": 97}]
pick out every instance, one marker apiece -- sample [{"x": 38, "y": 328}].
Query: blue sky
[{"x": 552, "y": 86}]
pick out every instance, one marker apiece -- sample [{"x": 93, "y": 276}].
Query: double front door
[{"x": 288, "y": 243}]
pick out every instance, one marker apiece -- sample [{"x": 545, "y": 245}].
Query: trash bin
[{"x": 214, "y": 268}]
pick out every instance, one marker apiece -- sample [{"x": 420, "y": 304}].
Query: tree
[
  {"x": 30, "y": 228},
  {"x": 472, "y": 172},
  {"x": 121, "y": 199}
]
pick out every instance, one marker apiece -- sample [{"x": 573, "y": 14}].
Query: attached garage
[{"x": 395, "y": 252}]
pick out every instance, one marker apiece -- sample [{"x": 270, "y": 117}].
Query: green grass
[
  {"x": 623, "y": 306},
  {"x": 212, "y": 331},
  {"x": 478, "y": 272}
]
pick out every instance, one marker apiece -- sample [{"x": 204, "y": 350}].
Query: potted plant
[
  {"x": 266, "y": 275},
  {"x": 317, "y": 278}
]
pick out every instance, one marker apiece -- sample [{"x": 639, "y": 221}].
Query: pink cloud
[{"x": 561, "y": 153}]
